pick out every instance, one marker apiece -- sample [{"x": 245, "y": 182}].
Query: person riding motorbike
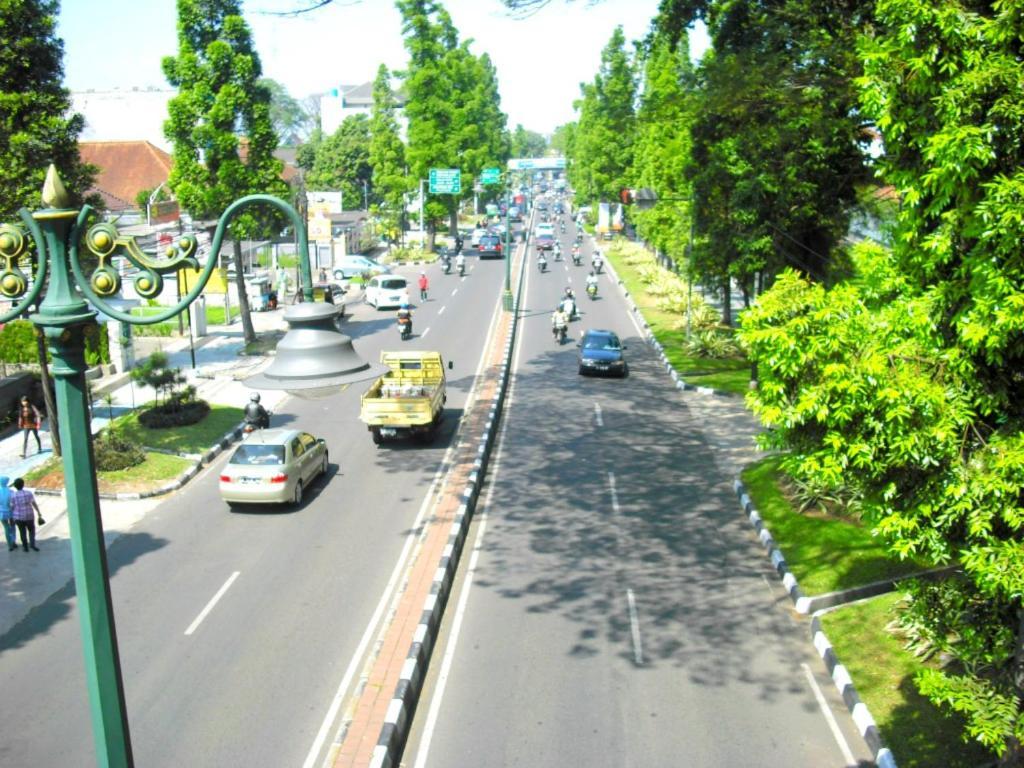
[
  {"x": 256, "y": 416},
  {"x": 458, "y": 244},
  {"x": 559, "y": 324},
  {"x": 460, "y": 264},
  {"x": 597, "y": 262},
  {"x": 405, "y": 321},
  {"x": 592, "y": 285},
  {"x": 446, "y": 262},
  {"x": 576, "y": 254},
  {"x": 542, "y": 262},
  {"x": 558, "y": 251},
  {"x": 568, "y": 306}
]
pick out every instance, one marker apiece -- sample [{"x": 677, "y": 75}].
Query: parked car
[
  {"x": 383, "y": 291},
  {"x": 490, "y": 247},
  {"x": 601, "y": 352},
  {"x": 349, "y": 266},
  {"x": 273, "y": 466},
  {"x": 331, "y": 293}
]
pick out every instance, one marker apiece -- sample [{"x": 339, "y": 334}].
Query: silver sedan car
[{"x": 273, "y": 466}]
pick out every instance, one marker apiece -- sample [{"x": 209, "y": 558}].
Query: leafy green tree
[
  {"x": 387, "y": 157},
  {"x": 343, "y": 161},
  {"x": 305, "y": 155},
  {"x": 453, "y": 105},
  {"x": 36, "y": 126},
  {"x": 287, "y": 114},
  {"x": 220, "y": 124},
  {"x": 662, "y": 148},
  {"x": 527, "y": 143},
  {"x": 777, "y": 141},
  {"x": 604, "y": 136},
  {"x": 561, "y": 139}
]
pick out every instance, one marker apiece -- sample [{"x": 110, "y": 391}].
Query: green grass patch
[
  {"x": 165, "y": 328},
  {"x": 731, "y": 374},
  {"x": 920, "y": 734},
  {"x": 215, "y": 315},
  {"x": 825, "y": 553},
  {"x": 195, "y": 438},
  {"x": 157, "y": 469}
]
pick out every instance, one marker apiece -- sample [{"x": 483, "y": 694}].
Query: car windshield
[
  {"x": 254, "y": 453},
  {"x": 392, "y": 285},
  {"x": 601, "y": 342}
]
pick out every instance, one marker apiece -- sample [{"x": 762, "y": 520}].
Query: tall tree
[
  {"x": 343, "y": 162},
  {"x": 527, "y": 143},
  {"x": 220, "y": 124},
  {"x": 603, "y": 141},
  {"x": 562, "y": 138},
  {"x": 287, "y": 114},
  {"x": 662, "y": 148},
  {"x": 36, "y": 124},
  {"x": 387, "y": 157}
]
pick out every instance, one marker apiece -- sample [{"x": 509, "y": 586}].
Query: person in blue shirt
[{"x": 7, "y": 514}]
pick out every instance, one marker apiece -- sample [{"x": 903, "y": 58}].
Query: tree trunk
[
  {"x": 727, "y": 302},
  {"x": 431, "y": 236},
  {"x": 453, "y": 218},
  {"x": 248, "y": 332},
  {"x": 51, "y": 407}
]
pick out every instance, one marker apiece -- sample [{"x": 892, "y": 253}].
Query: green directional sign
[
  {"x": 491, "y": 176},
  {"x": 445, "y": 181}
]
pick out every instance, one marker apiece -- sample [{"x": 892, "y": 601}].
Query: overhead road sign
[
  {"x": 490, "y": 176},
  {"x": 445, "y": 181},
  {"x": 536, "y": 164}
]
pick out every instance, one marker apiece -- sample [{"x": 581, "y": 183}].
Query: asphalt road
[
  {"x": 251, "y": 684},
  {"x": 617, "y": 610}
]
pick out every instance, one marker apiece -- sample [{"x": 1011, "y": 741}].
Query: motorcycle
[
  {"x": 592, "y": 291},
  {"x": 569, "y": 308},
  {"x": 542, "y": 264},
  {"x": 462, "y": 269},
  {"x": 405, "y": 327},
  {"x": 558, "y": 254},
  {"x": 447, "y": 266},
  {"x": 576, "y": 259},
  {"x": 252, "y": 423},
  {"x": 597, "y": 264},
  {"x": 559, "y": 332}
]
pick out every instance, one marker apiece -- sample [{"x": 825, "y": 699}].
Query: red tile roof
[{"x": 125, "y": 169}]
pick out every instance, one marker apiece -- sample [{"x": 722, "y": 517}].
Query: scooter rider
[
  {"x": 592, "y": 284},
  {"x": 558, "y": 251},
  {"x": 460, "y": 263},
  {"x": 597, "y": 262},
  {"x": 256, "y": 415},
  {"x": 559, "y": 323},
  {"x": 405, "y": 320},
  {"x": 542, "y": 262}
]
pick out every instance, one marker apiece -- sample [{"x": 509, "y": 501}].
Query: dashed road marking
[
  {"x": 829, "y": 717},
  {"x": 634, "y": 623},
  {"x": 213, "y": 601},
  {"x": 597, "y": 415}
]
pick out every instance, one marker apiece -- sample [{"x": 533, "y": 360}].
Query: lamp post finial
[{"x": 54, "y": 193}]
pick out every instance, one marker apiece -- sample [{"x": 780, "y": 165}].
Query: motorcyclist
[
  {"x": 568, "y": 306},
  {"x": 592, "y": 283},
  {"x": 542, "y": 261},
  {"x": 446, "y": 261},
  {"x": 460, "y": 263},
  {"x": 458, "y": 244},
  {"x": 256, "y": 415},
  {"x": 405, "y": 320},
  {"x": 558, "y": 251},
  {"x": 597, "y": 262},
  {"x": 559, "y": 322}
]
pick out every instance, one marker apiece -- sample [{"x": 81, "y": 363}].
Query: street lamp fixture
[{"x": 313, "y": 356}]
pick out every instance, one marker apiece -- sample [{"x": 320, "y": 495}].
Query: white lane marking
[
  {"x": 440, "y": 311},
  {"x": 615, "y": 492},
  {"x": 455, "y": 291},
  {"x": 424, "y": 334},
  {"x": 213, "y": 601},
  {"x": 634, "y": 622},
  {"x": 597, "y": 415},
  {"x": 829, "y": 717},
  {"x": 768, "y": 586},
  {"x": 423, "y": 748}
]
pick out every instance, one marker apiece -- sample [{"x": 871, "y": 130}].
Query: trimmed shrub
[
  {"x": 18, "y": 343},
  {"x": 174, "y": 414},
  {"x": 114, "y": 452}
]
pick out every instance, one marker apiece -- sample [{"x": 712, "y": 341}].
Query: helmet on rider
[
  {"x": 404, "y": 305},
  {"x": 255, "y": 397}
]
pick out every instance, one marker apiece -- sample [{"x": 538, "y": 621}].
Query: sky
[{"x": 541, "y": 60}]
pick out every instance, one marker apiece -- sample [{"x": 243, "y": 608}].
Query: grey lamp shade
[{"x": 313, "y": 354}]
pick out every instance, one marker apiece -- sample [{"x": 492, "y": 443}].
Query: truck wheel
[{"x": 377, "y": 439}]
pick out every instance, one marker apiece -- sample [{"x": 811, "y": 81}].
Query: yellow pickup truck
[{"x": 408, "y": 399}]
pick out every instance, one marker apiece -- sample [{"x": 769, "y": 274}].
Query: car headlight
[{"x": 589, "y": 361}]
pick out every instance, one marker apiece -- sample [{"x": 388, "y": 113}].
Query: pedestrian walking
[
  {"x": 7, "y": 514},
  {"x": 29, "y": 420},
  {"x": 26, "y": 510},
  {"x": 424, "y": 284},
  {"x": 323, "y": 275}
]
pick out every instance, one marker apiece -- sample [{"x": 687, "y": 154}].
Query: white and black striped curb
[
  {"x": 653, "y": 341},
  {"x": 402, "y": 706},
  {"x": 858, "y": 709},
  {"x": 801, "y": 601},
  {"x": 197, "y": 464}
]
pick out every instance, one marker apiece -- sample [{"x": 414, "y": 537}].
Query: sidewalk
[{"x": 28, "y": 578}]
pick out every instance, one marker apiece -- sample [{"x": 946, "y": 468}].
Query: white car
[
  {"x": 544, "y": 229},
  {"x": 474, "y": 239},
  {"x": 387, "y": 291},
  {"x": 273, "y": 466}
]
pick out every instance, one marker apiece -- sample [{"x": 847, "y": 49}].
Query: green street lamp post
[{"x": 59, "y": 233}]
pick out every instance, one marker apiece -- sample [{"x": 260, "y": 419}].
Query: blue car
[{"x": 601, "y": 352}]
